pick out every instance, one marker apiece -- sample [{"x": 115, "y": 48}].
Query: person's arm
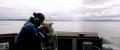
[{"x": 33, "y": 33}]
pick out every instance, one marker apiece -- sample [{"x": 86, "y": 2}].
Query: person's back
[{"x": 29, "y": 37}]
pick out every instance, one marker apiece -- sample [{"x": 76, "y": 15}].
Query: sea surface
[{"x": 110, "y": 31}]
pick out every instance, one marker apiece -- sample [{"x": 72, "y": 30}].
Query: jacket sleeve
[{"x": 33, "y": 33}]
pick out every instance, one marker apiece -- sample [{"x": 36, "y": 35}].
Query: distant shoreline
[
  {"x": 27, "y": 19},
  {"x": 13, "y": 19},
  {"x": 64, "y": 20}
]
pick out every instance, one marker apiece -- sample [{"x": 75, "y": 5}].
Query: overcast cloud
[{"x": 59, "y": 8}]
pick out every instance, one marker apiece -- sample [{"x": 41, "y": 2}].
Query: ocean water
[
  {"x": 110, "y": 31},
  {"x": 72, "y": 26}
]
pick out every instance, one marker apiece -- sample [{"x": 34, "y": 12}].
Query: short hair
[{"x": 39, "y": 15}]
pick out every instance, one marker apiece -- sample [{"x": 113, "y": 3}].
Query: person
[
  {"x": 30, "y": 37},
  {"x": 49, "y": 42}
]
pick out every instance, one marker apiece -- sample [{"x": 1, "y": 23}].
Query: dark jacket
[{"x": 29, "y": 37}]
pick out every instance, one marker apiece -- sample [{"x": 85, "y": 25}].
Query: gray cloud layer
[
  {"x": 95, "y": 2},
  {"x": 59, "y": 8}
]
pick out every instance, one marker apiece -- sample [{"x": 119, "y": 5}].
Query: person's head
[{"x": 38, "y": 18}]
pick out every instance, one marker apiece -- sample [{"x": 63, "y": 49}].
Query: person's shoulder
[{"x": 28, "y": 25}]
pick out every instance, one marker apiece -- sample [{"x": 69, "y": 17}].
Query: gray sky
[{"x": 59, "y": 8}]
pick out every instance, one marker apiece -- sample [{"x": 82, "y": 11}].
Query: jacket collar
[{"x": 32, "y": 21}]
